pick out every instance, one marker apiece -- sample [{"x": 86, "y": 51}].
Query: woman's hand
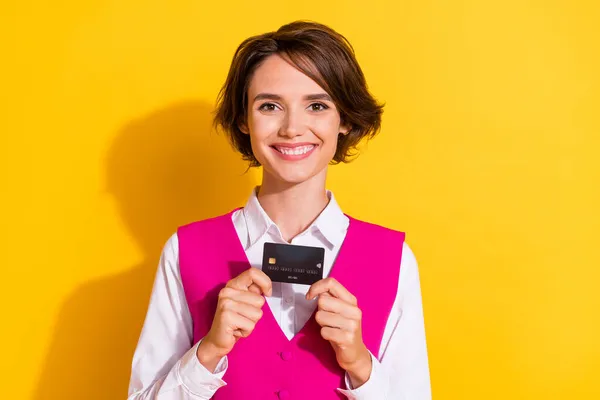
[
  {"x": 238, "y": 311},
  {"x": 340, "y": 320}
]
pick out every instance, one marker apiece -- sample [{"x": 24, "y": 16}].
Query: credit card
[{"x": 293, "y": 264}]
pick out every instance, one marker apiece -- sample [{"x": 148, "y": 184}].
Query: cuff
[
  {"x": 196, "y": 378},
  {"x": 374, "y": 388}
]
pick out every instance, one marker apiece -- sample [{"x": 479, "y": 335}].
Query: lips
[{"x": 295, "y": 151}]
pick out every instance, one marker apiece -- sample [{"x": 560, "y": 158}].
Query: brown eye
[
  {"x": 267, "y": 107},
  {"x": 318, "y": 107}
]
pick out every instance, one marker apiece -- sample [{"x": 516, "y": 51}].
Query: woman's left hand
[{"x": 340, "y": 320}]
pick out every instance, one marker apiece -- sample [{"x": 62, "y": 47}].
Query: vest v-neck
[
  {"x": 211, "y": 253},
  {"x": 239, "y": 253}
]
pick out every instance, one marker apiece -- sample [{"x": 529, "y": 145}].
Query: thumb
[{"x": 254, "y": 289}]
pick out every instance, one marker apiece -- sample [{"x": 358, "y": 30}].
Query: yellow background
[{"x": 487, "y": 159}]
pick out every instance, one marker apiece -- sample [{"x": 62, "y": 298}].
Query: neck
[{"x": 293, "y": 206}]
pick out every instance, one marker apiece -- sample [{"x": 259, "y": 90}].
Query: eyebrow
[{"x": 271, "y": 96}]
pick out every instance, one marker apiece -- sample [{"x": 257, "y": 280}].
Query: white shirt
[{"x": 165, "y": 365}]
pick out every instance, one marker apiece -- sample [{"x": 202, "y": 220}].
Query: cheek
[
  {"x": 262, "y": 126},
  {"x": 328, "y": 130}
]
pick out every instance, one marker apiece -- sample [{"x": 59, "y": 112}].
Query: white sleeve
[
  {"x": 374, "y": 388},
  {"x": 165, "y": 365},
  {"x": 402, "y": 372}
]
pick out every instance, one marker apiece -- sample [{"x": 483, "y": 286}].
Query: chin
[
  {"x": 292, "y": 174},
  {"x": 293, "y": 177}
]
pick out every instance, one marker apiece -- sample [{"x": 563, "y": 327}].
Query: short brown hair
[{"x": 320, "y": 53}]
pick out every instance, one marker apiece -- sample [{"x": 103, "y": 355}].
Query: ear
[
  {"x": 243, "y": 127},
  {"x": 345, "y": 129}
]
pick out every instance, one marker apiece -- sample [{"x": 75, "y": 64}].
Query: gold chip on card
[{"x": 272, "y": 260}]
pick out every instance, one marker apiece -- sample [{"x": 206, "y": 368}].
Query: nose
[{"x": 293, "y": 124}]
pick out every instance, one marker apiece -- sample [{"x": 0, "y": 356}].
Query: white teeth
[{"x": 296, "y": 151}]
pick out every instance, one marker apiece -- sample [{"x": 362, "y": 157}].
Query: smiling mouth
[{"x": 294, "y": 151}]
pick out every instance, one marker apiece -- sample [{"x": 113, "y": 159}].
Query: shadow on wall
[{"x": 165, "y": 170}]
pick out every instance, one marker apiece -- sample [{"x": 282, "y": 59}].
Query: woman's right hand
[{"x": 238, "y": 311}]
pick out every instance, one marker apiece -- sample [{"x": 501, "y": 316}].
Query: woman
[{"x": 295, "y": 101}]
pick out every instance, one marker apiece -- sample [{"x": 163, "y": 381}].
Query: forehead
[{"x": 276, "y": 75}]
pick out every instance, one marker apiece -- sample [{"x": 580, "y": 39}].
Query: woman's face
[{"x": 292, "y": 122}]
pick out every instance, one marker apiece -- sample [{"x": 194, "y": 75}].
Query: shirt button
[
  {"x": 212, "y": 387},
  {"x": 283, "y": 394},
  {"x": 286, "y": 355},
  {"x": 289, "y": 300}
]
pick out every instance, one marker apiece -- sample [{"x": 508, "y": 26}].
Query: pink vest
[{"x": 266, "y": 365}]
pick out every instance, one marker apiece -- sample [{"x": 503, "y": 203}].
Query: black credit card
[{"x": 293, "y": 264}]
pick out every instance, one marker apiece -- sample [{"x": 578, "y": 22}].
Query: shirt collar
[
  {"x": 331, "y": 223},
  {"x": 257, "y": 220}
]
